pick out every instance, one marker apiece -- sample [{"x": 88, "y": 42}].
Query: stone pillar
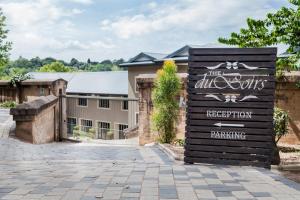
[
  {"x": 36, "y": 120},
  {"x": 145, "y": 131},
  {"x": 145, "y": 108}
]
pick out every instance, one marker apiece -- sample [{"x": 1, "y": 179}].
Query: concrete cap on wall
[{"x": 34, "y": 107}]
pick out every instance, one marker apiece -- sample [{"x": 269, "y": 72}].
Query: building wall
[
  {"x": 288, "y": 98},
  {"x": 114, "y": 115},
  {"x": 133, "y": 72}
]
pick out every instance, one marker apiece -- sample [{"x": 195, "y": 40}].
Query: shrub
[
  {"x": 179, "y": 142},
  {"x": 281, "y": 119},
  {"x": 166, "y": 107},
  {"x": 76, "y": 132},
  {"x": 91, "y": 133},
  {"x": 8, "y": 104},
  {"x": 110, "y": 134}
]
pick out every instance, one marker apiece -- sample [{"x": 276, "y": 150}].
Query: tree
[
  {"x": 55, "y": 67},
  {"x": 281, "y": 27},
  {"x": 5, "y": 46},
  {"x": 165, "y": 106}
]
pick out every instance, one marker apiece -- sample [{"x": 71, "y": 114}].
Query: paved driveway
[{"x": 89, "y": 171}]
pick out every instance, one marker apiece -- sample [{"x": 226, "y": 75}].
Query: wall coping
[
  {"x": 291, "y": 77},
  {"x": 33, "y": 82},
  {"x": 34, "y": 107},
  {"x": 149, "y": 78}
]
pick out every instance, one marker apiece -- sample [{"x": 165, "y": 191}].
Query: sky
[{"x": 112, "y": 29}]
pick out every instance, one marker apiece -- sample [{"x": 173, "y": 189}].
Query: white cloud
[
  {"x": 191, "y": 15},
  {"x": 44, "y": 27},
  {"x": 82, "y": 1}
]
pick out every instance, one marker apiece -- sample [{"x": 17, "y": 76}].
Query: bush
[
  {"x": 281, "y": 119},
  {"x": 179, "y": 142},
  {"x": 91, "y": 133},
  {"x": 165, "y": 105},
  {"x": 76, "y": 132},
  {"x": 8, "y": 104}
]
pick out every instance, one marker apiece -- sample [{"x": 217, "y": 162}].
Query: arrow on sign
[{"x": 234, "y": 125}]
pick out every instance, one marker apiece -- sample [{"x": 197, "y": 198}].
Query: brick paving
[{"x": 63, "y": 171}]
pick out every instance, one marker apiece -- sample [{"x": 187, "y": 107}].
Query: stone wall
[
  {"x": 287, "y": 97},
  {"x": 145, "y": 129},
  {"x": 36, "y": 121}
]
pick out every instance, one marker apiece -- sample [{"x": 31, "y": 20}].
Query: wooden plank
[
  {"x": 192, "y": 77},
  {"x": 267, "y": 85},
  {"x": 232, "y": 51},
  {"x": 229, "y": 91},
  {"x": 266, "y": 111},
  {"x": 232, "y": 58},
  {"x": 188, "y": 159},
  {"x": 211, "y": 122},
  {"x": 252, "y": 131},
  {"x": 202, "y": 97},
  {"x": 227, "y": 72},
  {"x": 268, "y": 64},
  {"x": 229, "y": 104},
  {"x": 224, "y": 155},
  {"x": 231, "y": 117},
  {"x": 241, "y": 150},
  {"x": 202, "y": 135},
  {"x": 231, "y": 143}
]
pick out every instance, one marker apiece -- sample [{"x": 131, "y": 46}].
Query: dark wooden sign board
[{"x": 230, "y": 106}]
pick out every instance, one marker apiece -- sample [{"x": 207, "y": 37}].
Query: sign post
[{"x": 230, "y": 106}]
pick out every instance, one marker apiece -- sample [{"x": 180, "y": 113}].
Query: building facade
[{"x": 96, "y": 101}]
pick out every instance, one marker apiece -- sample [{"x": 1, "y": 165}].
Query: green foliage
[
  {"x": 55, "y": 67},
  {"x": 179, "y": 142},
  {"x": 35, "y": 64},
  {"x": 8, "y": 104},
  {"x": 166, "y": 107},
  {"x": 76, "y": 132},
  {"x": 91, "y": 133},
  {"x": 17, "y": 76},
  {"x": 281, "y": 27},
  {"x": 281, "y": 119},
  {"x": 5, "y": 46}
]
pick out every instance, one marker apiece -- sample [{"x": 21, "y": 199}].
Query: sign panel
[{"x": 230, "y": 106}]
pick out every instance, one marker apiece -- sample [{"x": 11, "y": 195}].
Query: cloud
[
  {"x": 87, "y": 2},
  {"x": 43, "y": 27},
  {"x": 189, "y": 15}
]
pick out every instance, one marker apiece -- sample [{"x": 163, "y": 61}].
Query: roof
[
  {"x": 112, "y": 83},
  {"x": 288, "y": 54},
  {"x": 180, "y": 55},
  {"x": 33, "y": 81}
]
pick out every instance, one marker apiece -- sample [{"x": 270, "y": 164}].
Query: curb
[
  {"x": 290, "y": 167},
  {"x": 170, "y": 153}
]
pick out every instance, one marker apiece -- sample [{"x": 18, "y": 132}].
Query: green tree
[
  {"x": 55, "y": 67},
  {"x": 166, "y": 107},
  {"x": 281, "y": 27},
  {"x": 5, "y": 46}
]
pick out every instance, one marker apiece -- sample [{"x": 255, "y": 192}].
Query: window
[
  {"x": 103, "y": 129},
  {"x": 136, "y": 89},
  {"x": 136, "y": 118},
  {"x": 42, "y": 91},
  {"x": 122, "y": 127},
  {"x": 103, "y": 103},
  {"x": 86, "y": 125},
  {"x": 71, "y": 123},
  {"x": 82, "y": 102},
  {"x": 124, "y": 105}
]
